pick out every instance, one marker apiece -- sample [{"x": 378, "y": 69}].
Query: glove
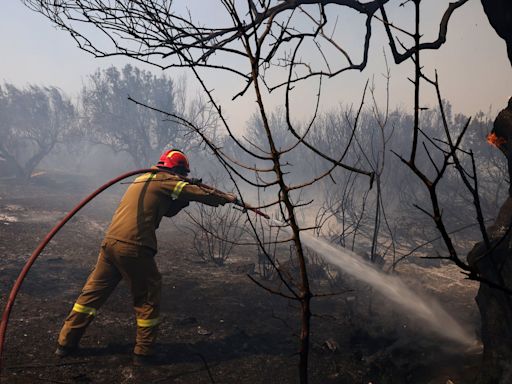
[{"x": 231, "y": 197}]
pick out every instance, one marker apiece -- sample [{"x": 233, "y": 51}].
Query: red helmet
[{"x": 174, "y": 158}]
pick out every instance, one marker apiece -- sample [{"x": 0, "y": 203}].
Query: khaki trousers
[{"x": 136, "y": 265}]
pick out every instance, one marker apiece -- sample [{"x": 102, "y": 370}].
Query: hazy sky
[{"x": 474, "y": 71}]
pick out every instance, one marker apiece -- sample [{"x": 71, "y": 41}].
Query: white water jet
[{"x": 430, "y": 313}]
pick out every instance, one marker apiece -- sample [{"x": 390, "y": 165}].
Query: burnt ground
[{"x": 218, "y": 326}]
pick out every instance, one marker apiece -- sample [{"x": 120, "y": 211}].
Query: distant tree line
[{"x": 34, "y": 120}]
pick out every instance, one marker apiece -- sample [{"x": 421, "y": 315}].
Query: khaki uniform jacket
[{"x": 150, "y": 197}]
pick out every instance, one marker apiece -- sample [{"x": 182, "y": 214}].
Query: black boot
[
  {"x": 63, "y": 351},
  {"x": 147, "y": 360}
]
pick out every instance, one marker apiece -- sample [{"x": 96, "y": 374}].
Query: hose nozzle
[{"x": 246, "y": 207}]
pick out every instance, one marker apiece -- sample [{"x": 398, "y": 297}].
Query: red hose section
[
  {"x": 258, "y": 212},
  {"x": 17, "y": 285},
  {"x": 42, "y": 245}
]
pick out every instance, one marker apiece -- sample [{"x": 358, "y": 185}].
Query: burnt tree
[
  {"x": 32, "y": 121},
  {"x": 491, "y": 261},
  {"x": 109, "y": 118}
]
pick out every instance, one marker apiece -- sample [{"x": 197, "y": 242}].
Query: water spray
[
  {"x": 17, "y": 284},
  {"x": 428, "y": 311}
]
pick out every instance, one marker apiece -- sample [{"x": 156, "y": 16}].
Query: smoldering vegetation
[
  {"x": 46, "y": 136},
  {"x": 78, "y": 144},
  {"x": 101, "y": 134},
  {"x": 61, "y": 145}
]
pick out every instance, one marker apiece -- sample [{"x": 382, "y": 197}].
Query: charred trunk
[
  {"x": 304, "y": 339},
  {"x": 11, "y": 167},
  {"x": 495, "y": 265}
]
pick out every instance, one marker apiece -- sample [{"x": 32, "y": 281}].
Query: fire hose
[{"x": 17, "y": 284}]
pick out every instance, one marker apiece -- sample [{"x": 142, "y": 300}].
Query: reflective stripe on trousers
[
  {"x": 148, "y": 322},
  {"x": 83, "y": 309}
]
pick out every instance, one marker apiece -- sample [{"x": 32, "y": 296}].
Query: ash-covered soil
[{"x": 218, "y": 326}]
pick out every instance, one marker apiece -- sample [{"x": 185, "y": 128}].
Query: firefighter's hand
[
  {"x": 231, "y": 197},
  {"x": 227, "y": 198},
  {"x": 219, "y": 198}
]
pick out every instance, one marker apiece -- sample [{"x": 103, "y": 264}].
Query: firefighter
[{"x": 128, "y": 249}]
